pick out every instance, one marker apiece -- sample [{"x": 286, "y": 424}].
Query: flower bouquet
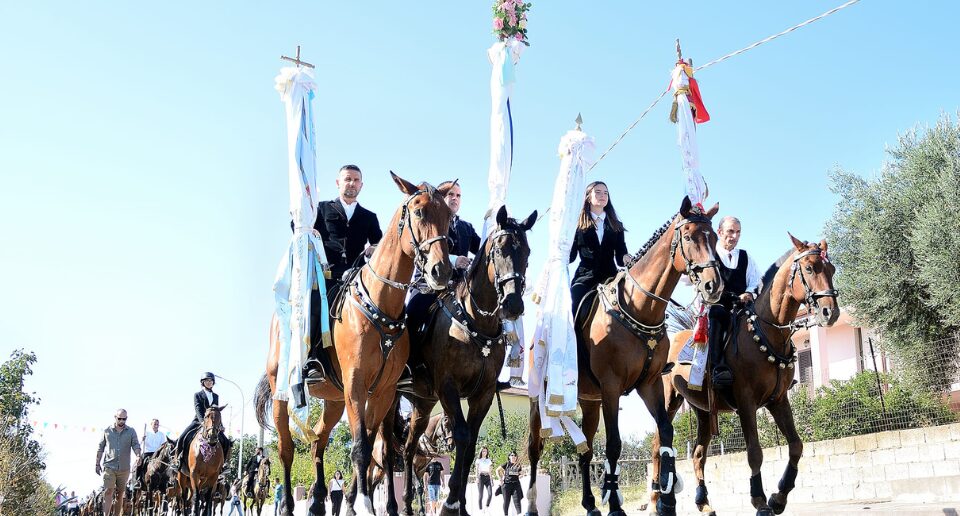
[{"x": 510, "y": 20}]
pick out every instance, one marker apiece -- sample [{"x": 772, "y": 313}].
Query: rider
[
  {"x": 347, "y": 231},
  {"x": 152, "y": 441},
  {"x": 202, "y": 400},
  {"x": 740, "y": 279},
  {"x": 462, "y": 240},
  {"x": 250, "y": 468},
  {"x": 599, "y": 241}
]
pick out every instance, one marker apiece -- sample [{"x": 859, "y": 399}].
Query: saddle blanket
[{"x": 694, "y": 355}]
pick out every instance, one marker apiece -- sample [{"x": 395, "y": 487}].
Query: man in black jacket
[
  {"x": 250, "y": 469},
  {"x": 202, "y": 400}
]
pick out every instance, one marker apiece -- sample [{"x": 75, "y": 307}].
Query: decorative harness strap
[
  {"x": 462, "y": 321},
  {"x": 390, "y": 329}
]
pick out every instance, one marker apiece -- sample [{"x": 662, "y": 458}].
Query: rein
[
  {"x": 810, "y": 296},
  {"x": 499, "y": 280},
  {"x": 419, "y": 248}
]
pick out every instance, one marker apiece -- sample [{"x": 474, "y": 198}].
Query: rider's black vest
[{"x": 734, "y": 280}]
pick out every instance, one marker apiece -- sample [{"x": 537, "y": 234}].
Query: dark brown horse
[
  {"x": 762, "y": 358},
  {"x": 261, "y": 488},
  {"x": 623, "y": 346},
  {"x": 436, "y": 441},
  {"x": 371, "y": 345},
  {"x": 155, "y": 478},
  {"x": 463, "y": 348},
  {"x": 204, "y": 461}
]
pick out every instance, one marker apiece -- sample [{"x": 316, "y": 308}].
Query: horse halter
[
  {"x": 692, "y": 269},
  {"x": 810, "y": 296},
  {"x": 499, "y": 280},
  {"x": 420, "y": 249}
]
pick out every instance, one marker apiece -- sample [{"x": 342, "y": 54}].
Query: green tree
[
  {"x": 895, "y": 239},
  {"x": 22, "y": 488}
]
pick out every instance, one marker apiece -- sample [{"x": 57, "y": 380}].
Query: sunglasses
[{"x": 121, "y": 419}]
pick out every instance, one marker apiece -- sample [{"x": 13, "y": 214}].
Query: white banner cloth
[
  {"x": 301, "y": 266},
  {"x": 687, "y": 138},
  {"x": 553, "y": 375}
]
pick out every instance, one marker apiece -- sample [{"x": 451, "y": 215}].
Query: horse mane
[
  {"x": 766, "y": 281},
  {"x": 645, "y": 248}
]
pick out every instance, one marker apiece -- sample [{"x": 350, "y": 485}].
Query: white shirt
[
  {"x": 348, "y": 209},
  {"x": 152, "y": 441},
  {"x": 483, "y": 466},
  {"x": 336, "y": 484},
  {"x": 731, "y": 259},
  {"x": 209, "y": 396},
  {"x": 598, "y": 222}
]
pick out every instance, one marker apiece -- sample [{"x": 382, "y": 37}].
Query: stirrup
[
  {"x": 721, "y": 377},
  {"x": 313, "y": 371}
]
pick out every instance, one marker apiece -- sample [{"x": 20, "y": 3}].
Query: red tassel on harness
[{"x": 700, "y": 332}]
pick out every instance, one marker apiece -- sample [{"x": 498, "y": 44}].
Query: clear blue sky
[{"x": 142, "y": 155}]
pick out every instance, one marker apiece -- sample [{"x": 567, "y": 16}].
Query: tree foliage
[
  {"x": 22, "y": 487},
  {"x": 896, "y": 238}
]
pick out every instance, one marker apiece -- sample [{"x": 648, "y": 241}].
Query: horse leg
[
  {"x": 611, "y": 482},
  {"x": 419, "y": 419},
  {"x": 450, "y": 399},
  {"x": 748, "y": 422},
  {"x": 479, "y": 407},
  {"x": 700, "y": 454},
  {"x": 386, "y": 435},
  {"x": 281, "y": 422},
  {"x": 332, "y": 410},
  {"x": 355, "y": 395},
  {"x": 534, "y": 451},
  {"x": 652, "y": 394},
  {"x": 591, "y": 421},
  {"x": 350, "y": 494},
  {"x": 783, "y": 417}
]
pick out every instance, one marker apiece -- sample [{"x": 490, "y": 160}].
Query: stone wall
[{"x": 921, "y": 464}]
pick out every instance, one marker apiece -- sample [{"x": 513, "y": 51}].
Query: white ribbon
[{"x": 687, "y": 140}]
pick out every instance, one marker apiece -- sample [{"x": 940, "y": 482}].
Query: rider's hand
[
  {"x": 97, "y": 469},
  {"x": 462, "y": 262},
  {"x": 746, "y": 297},
  {"x": 368, "y": 252}
]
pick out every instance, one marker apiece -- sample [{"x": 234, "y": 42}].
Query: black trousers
[
  {"x": 336, "y": 498},
  {"x": 417, "y": 309},
  {"x": 483, "y": 481},
  {"x": 511, "y": 490},
  {"x": 579, "y": 289}
]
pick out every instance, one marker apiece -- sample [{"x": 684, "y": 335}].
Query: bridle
[
  {"x": 499, "y": 280},
  {"x": 691, "y": 269},
  {"x": 810, "y": 296}
]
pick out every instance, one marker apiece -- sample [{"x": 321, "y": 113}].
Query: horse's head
[
  {"x": 811, "y": 281},
  {"x": 507, "y": 253},
  {"x": 212, "y": 424},
  {"x": 425, "y": 220},
  {"x": 692, "y": 249}
]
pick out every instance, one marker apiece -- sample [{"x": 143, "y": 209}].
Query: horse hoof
[
  {"x": 616, "y": 513},
  {"x": 765, "y": 511},
  {"x": 594, "y": 512},
  {"x": 777, "y": 502}
]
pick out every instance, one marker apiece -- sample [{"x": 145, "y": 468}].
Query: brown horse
[
  {"x": 436, "y": 441},
  {"x": 155, "y": 478},
  {"x": 761, "y": 357},
  {"x": 371, "y": 345},
  {"x": 261, "y": 488},
  {"x": 467, "y": 330},
  {"x": 623, "y": 346},
  {"x": 204, "y": 461}
]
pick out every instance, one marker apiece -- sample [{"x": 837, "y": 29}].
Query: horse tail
[{"x": 263, "y": 401}]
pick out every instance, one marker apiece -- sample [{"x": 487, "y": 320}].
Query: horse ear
[
  {"x": 528, "y": 222},
  {"x": 502, "y": 216},
  {"x": 685, "y": 206},
  {"x": 447, "y": 187},
  {"x": 221, "y": 407},
  {"x": 405, "y": 186},
  {"x": 713, "y": 211},
  {"x": 797, "y": 244}
]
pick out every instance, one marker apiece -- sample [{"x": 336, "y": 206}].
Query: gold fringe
[
  {"x": 327, "y": 339},
  {"x": 693, "y": 387},
  {"x": 545, "y": 432},
  {"x": 583, "y": 448},
  {"x": 535, "y": 298},
  {"x": 555, "y": 399},
  {"x": 302, "y": 426}
]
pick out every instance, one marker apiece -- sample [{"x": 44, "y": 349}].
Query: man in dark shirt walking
[{"x": 435, "y": 483}]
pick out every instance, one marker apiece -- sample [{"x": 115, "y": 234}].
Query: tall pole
[{"x": 243, "y": 410}]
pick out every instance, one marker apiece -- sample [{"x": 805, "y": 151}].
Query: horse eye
[
  {"x": 686, "y": 237},
  {"x": 418, "y": 213},
  {"x": 809, "y": 268}
]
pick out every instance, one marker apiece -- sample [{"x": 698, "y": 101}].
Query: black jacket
[
  {"x": 598, "y": 260},
  {"x": 201, "y": 405},
  {"x": 463, "y": 238},
  {"x": 345, "y": 240}
]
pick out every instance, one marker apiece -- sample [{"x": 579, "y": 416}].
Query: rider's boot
[{"x": 720, "y": 374}]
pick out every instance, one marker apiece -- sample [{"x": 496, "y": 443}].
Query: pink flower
[
  {"x": 519, "y": 36},
  {"x": 513, "y": 20},
  {"x": 509, "y": 6},
  {"x": 498, "y": 24}
]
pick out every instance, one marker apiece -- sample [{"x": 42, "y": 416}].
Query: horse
[
  {"x": 261, "y": 487},
  {"x": 466, "y": 329},
  {"x": 221, "y": 495},
  {"x": 623, "y": 346},
  {"x": 155, "y": 477},
  {"x": 370, "y": 343},
  {"x": 436, "y": 441},
  {"x": 204, "y": 460},
  {"x": 762, "y": 358}
]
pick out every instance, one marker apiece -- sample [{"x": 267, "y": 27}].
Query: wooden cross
[{"x": 296, "y": 59}]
